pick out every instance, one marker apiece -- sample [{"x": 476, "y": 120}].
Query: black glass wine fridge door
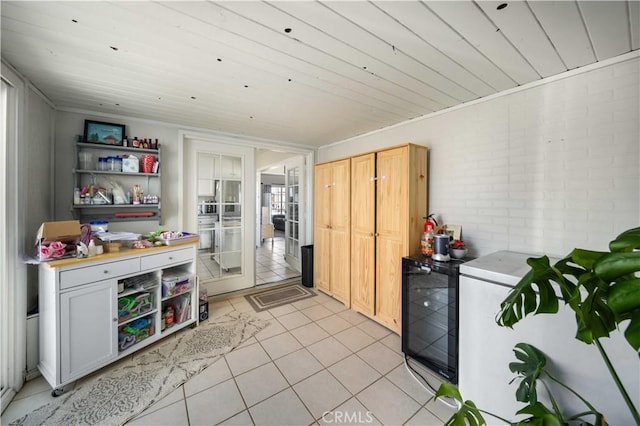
[{"x": 430, "y": 315}]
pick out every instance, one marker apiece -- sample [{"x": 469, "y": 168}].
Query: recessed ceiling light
[{"x": 502, "y": 6}]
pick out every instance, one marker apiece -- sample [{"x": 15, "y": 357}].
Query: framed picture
[
  {"x": 105, "y": 133},
  {"x": 453, "y": 231}
]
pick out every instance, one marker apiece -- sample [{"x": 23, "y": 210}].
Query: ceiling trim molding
[{"x": 567, "y": 74}]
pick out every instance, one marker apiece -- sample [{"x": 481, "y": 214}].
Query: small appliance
[
  {"x": 441, "y": 248},
  {"x": 430, "y": 314}
]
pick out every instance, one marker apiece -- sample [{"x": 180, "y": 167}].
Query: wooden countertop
[{"x": 115, "y": 255}]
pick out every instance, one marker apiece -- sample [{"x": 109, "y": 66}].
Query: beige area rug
[
  {"x": 119, "y": 394},
  {"x": 269, "y": 299}
]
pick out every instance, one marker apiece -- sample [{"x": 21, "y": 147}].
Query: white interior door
[
  {"x": 295, "y": 212},
  {"x": 219, "y": 204}
]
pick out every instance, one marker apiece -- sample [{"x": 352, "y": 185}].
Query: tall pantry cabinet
[
  {"x": 332, "y": 229},
  {"x": 389, "y": 200}
]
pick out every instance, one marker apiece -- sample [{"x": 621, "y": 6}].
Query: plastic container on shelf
[
  {"x": 102, "y": 165},
  {"x": 85, "y": 160}
]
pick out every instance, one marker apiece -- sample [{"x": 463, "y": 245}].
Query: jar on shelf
[{"x": 102, "y": 165}]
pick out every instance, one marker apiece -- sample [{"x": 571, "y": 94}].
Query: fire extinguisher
[{"x": 426, "y": 243}]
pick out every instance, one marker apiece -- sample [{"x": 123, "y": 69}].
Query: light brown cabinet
[
  {"x": 332, "y": 229},
  {"x": 389, "y": 200}
]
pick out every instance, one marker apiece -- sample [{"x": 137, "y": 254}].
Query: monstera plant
[{"x": 603, "y": 290}]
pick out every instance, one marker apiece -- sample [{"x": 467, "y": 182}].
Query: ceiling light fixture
[{"x": 502, "y": 6}]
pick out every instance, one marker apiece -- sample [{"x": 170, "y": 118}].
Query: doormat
[
  {"x": 280, "y": 296},
  {"x": 121, "y": 392}
]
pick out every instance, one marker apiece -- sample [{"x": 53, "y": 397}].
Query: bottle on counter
[{"x": 136, "y": 142}]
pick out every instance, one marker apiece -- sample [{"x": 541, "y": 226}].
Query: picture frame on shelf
[
  {"x": 103, "y": 133},
  {"x": 453, "y": 231}
]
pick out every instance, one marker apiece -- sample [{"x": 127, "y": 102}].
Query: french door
[
  {"x": 295, "y": 211},
  {"x": 216, "y": 201}
]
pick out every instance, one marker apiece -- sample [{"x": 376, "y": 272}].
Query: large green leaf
[
  {"x": 619, "y": 265},
  {"x": 626, "y": 243},
  {"x": 523, "y": 298},
  {"x": 632, "y": 333},
  {"x": 467, "y": 415},
  {"x": 624, "y": 296},
  {"x": 540, "y": 416},
  {"x": 531, "y": 366}
]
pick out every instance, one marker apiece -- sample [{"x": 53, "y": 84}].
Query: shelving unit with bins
[
  {"x": 151, "y": 184},
  {"x": 94, "y": 311},
  {"x": 137, "y": 306}
]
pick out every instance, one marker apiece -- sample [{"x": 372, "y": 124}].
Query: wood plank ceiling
[{"x": 304, "y": 72}]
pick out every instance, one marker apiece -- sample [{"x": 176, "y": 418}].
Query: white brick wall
[{"x": 544, "y": 169}]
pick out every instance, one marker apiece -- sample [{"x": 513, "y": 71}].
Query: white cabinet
[
  {"x": 85, "y": 323},
  {"x": 84, "y": 348}
]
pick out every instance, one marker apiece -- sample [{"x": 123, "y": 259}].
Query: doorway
[
  {"x": 256, "y": 157},
  {"x": 281, "y": 211}
]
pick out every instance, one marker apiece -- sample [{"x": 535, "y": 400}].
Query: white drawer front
[
  {"x": 104, "y": 271},
  {"x": 162, "y": 260}
]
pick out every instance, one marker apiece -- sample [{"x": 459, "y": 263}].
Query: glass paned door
[
  {"x": 293, "y": 218},
  {"x": 220, "y": 183}
]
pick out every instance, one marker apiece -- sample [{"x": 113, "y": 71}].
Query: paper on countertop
[{"x": 118, "y": 236}]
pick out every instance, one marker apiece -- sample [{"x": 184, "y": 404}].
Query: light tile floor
[
  {"x": 270, "y": 264},
  {"x": 316, "y": 363}
]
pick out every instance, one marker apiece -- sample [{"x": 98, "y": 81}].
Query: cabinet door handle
[
  {"x": 170, "y": 257},
  {"x": 105, "y": 271},
  {"x": 373, "y": 179}
]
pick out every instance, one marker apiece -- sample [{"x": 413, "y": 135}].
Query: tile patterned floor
[
  {"x": 316, "y": 363},
  {"x": 270, "y": 264}
]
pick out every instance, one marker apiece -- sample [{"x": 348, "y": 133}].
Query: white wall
[
  {"x": 544, "y": 169},
  {"x": 37, "y": 170}
]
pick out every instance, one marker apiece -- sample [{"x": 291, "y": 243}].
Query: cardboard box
[{"x": 57, "y": 240}]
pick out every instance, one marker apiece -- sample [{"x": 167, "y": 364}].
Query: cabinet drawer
[
  {"x": 161, "y": 260},
  {"x": 104, "y": 271}
]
